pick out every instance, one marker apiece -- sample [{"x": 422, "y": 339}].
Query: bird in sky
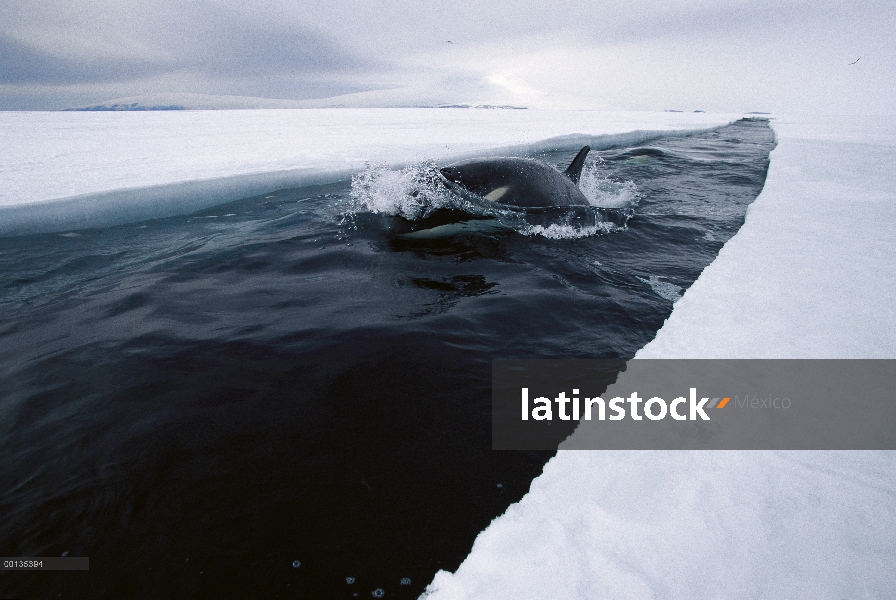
[{"x": 856, "y": 60}]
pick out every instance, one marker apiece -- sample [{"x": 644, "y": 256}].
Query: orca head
[{"x": 484, "y": 178}]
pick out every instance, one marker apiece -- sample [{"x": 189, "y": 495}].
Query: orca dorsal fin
[{"x": 574, "y": 170}]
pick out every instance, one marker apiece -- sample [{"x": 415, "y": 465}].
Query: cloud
[
  {"x": 226, "y": 45},
  {"x": 201, "y": 46},
  {"x": 21, "y": 63}
]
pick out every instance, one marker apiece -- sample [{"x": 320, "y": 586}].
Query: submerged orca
[{"x": 520, "y": 182}]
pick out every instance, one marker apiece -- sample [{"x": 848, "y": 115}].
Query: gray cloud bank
[
  {"x": 212, "y": 48},
  {"x": 730, "y": 55}
]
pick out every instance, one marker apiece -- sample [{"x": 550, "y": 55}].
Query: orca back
[{"x": 518, "y": 181}]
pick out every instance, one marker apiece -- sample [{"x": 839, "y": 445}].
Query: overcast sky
[{"x": 719, "y": 55}]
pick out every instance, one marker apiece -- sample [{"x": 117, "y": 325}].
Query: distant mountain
[
  {"x": 391, "y": 98},
  {"x": 131, "y": 106},
  {"x": 174, "y": 101},
  {"x": 506, "y": 106}
]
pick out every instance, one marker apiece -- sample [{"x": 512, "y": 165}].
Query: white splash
[
  {"x": 604, "y": 192},
  {"x": 567, "y": 232},
  {"x": 412, "y": 192}
]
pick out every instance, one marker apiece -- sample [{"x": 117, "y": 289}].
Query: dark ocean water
[{"x": 280, "y": 398}]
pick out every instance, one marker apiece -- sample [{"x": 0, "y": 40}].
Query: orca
[
  {"x": 522, "y": 182},
  {"x": 519, "y": 183}
]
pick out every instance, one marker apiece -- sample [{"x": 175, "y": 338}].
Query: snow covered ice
[{"x": 69, "y": 170}]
